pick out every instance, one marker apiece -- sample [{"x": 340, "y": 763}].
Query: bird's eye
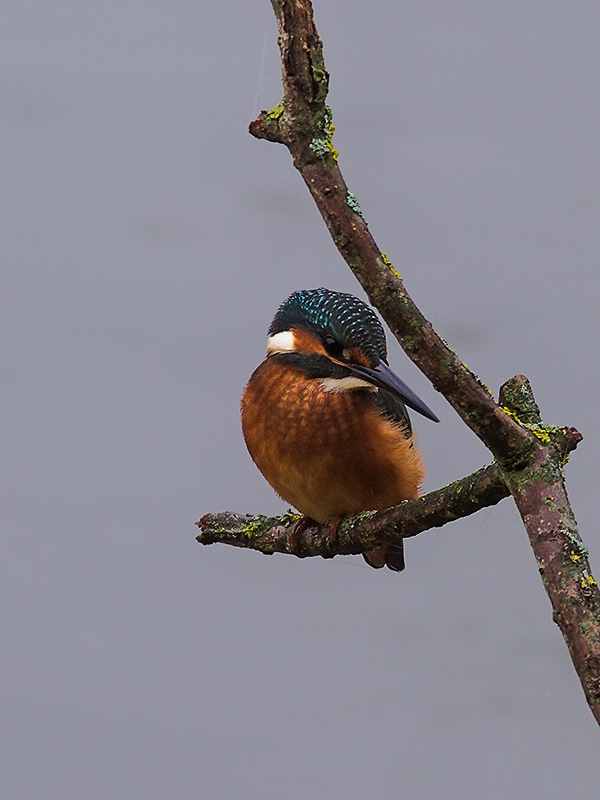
[{"x": 333, "y": 347}]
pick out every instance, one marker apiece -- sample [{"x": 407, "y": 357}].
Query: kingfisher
[{"x": 324, "y": 417}]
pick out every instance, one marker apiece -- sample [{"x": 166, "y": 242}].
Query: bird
[{"x": 324, "y": 417}]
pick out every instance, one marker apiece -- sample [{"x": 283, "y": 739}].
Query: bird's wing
[{"x": 393, "y": 409}]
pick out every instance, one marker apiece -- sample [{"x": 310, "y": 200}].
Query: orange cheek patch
[
  {"x": 307, "y": 342},
  {"x": 357, "y": 356}
]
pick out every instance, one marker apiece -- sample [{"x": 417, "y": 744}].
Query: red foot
[
  {"x": 297, "y": 530},
  {"x": 332, "y": 529},
  {"x": 303, "y": 523}
]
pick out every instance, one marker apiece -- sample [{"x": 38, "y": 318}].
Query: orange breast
[{"x": 328, "y": 454}]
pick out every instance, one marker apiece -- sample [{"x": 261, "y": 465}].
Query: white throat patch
[{"x": 345, "y": 384}]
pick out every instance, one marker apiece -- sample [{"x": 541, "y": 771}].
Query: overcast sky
[{"x": 147, "y": 241}]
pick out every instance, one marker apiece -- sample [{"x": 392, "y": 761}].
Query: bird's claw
[{"x": 296, "y": 531}]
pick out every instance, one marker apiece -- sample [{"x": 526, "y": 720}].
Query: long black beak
[{"x": 383, "y": 377}]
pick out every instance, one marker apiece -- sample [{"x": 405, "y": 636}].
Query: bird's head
[{"x": 337, "y": 339}]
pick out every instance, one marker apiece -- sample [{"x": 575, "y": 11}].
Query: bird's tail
[{"x": 387, "y": 555}]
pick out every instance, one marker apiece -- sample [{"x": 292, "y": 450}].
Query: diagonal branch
[{"x": 303, "y": 122}]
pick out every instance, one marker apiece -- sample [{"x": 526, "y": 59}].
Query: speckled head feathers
[{"x": 350, "y": 321}]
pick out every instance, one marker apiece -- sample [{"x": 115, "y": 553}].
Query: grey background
[{"x": 147, "y": 240}]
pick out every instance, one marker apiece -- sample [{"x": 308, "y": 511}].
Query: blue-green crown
[{"x": 350, "y": 321}]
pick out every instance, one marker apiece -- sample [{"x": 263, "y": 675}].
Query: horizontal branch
[{"x": 362, "y": 532}]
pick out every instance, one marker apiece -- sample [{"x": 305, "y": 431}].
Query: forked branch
[{"x": 529, "y": 457}]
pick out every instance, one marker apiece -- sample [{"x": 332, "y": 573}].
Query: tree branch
[
  {"x": 363, "y": 532},
  {"x": 529, "y": 456}
]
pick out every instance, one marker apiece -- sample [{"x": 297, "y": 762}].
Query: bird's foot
[
  {"x": 332, "y": 529},
  {"x": 297, "y": 530}
]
